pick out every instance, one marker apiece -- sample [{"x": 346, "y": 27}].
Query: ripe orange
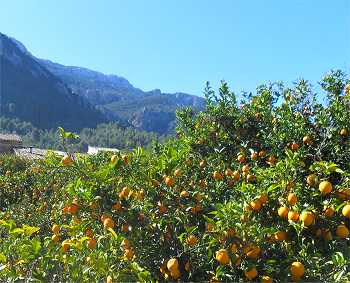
[
  {"x": 228, "y": 172},
  {"x": 325, "y": 187},
  {"x": 236, "y": 175},
  {"x": 109, "y": 279},
  {"x": 293, "y": 216},
  {"x": 125, "y": 227},
  {"x": 222, "y": 257},
  {"x": 73, "y": 208},
  {"x": 202, "y": 164},
  {"x": 125, "y": 159},
  {"x": 55, "y": 229},
  {"x": 67, "y": 160},
  {"x": 266, "y": 279},
  {"x": 328, "y": 211},
  {"x": 114, "y": 158},
  {"x": 280, "y": 236},
  {"x": 129, "y": 253},
  {"x": 311, "y": 180},
  {"x": 162, "y": 208},
  {"x": 125, "y": 244},
  {"x": 245, "y": 168},
  {"x": 209, "y": 227},
  {"x": 250, "y": 178},
  {"x": 283, "y": 212},
  {"x": 175, "y": 274},
  {"x": 192, "y": 240},
  {"x": 271, "y": 160},
  {"x": 178, "y": 173},
  {"x": 307, "y": 140},
  {"x": 292, "y": 198},
  {"x": 346, "y": 211},
  {"x": 344, "y": 193},
  {"x": 252, "y": 251},
  {"x": 342, "y": 231},
  {"x": 169, "y": 181},
  {"x": 297, "y": 270},
  {"x": 65, "y": 245},
  {"x": 344, "y": 132},
  {"x": 55, "y": 238},
  {"x": 91, "y": 243},
  {"x": 172, "y": 264},
  {"x": 254, "y": 156},
  {"x": 184, "y": 194},
  {"x": 255, "y": 205},
  {"x": 218, "y": 176},
  {"x": 263, "y": 198},
  {"x": 327, "y": 235},
  {"x": 251, "y": 273},
  {"x": 262, "y": 153},
  {"x": 241, "y": 158},
  {"x": 89, "y": 233},
  {"x": 307, "y": 217},
  {"x": 294, "y": 146},
  {"x": 117, "y": 206},
  {"x": 108, "y": 223}
]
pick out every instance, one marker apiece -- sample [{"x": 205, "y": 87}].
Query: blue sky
[{"x": 177, "y": 45}]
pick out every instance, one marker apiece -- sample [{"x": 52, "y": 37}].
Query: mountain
[
  {"x": 119, "y": 100},
  {"x": 49, "y": 94},
  {"x": 30, "y": 92}
]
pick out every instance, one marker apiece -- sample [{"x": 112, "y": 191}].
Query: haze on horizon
[{"x": 178, "y": 45}]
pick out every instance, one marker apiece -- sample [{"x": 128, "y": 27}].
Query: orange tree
[{"x": 253, "y": 191}]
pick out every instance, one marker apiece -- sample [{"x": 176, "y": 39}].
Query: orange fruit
[
  {"x": 262, "y": 153},
  {"x": 342, "y": 231},
  {"x": 254, "y": 156},
  {"x": 311, "y": 180},
  {"x": 210, "y": 227},
  {"x": 55, "y": 238},
  {"x": 252, "y": 251},
  {"x": 114, "y": 158},
  {"x": 241, "y": 158},
  {"x": 91, "y": 243},
  {"x": 307, "y": 140},
  {"x": 328, "y": 211},
  {"x": 280, "y": 236},
  {"x": 293, "y": 216},
  {"x": 263, "y": 198},
  {"x": 325, "y": 187},
  {"x": 125, "y": 227},
  {"x": 222, "y": 257},
  {"x": 271, "y": 160},
  {"x": 346, "y": 211},
  {"x": 327, "y": 235},
  {"x": 89, "y": 233},
  {"x": 251, "y": 273},
  {"x": 184, "y": 194},
  {"x": 55, "y": 229},
  {"x": 129, "y": 253},
  {"x": 292, "y": 198},
  {"x": 109, "y": 279},
  {"x": 294, "y": 146},
  {"x": 251, "y": 178},
  {"x": 175, "y": 274},
  {"x": 283, "y": 212},
  {"x": 218, "y": 176},
  {"x": 65, "y": 245},
  {"x": 73, "y": 208},
  {"x": 344, "y": 193},
  {"x": 172, "y": 264},
  {"x": 255, "y": 205},
  {"x": 125, "y": 159},
  {"x": 191, "y": 240},
  {"x": 228, "y": 172},
  {"x": 245, "y": 168},
  {"x": 67, "y": 160},
  {"x": 344, "y": 132},
  {"x": 266, "y": 279},
  {"x": 307, "y": 217},
  {"x": 125, "y": 244},
  {"x": 236, "y": 175},
  {"x": 169, "y": 181},
  {"x": 117, "y": 206},
  {"x": 108, "y": 223},
  {"x": 297, "y": 269},
  {"x": 202, "y": 164},
  {"x": 178, "y": 173}
]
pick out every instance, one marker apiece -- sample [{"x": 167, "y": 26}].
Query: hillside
[{"x": 31, "y": 93}]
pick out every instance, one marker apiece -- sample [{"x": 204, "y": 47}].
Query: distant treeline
[{"x": 104, "y": 135}]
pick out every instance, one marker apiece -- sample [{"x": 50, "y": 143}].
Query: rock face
[
  {"x": 50, "y": 95},
  {"x": 32, "y": 93}
]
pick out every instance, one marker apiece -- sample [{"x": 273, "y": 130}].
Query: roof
[
  {"x": 10, "y": 138},
  {"x": 95, "y": 150}
]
